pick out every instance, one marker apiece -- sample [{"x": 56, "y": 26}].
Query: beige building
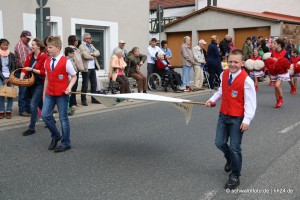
[{"x": 108, "y": 21}]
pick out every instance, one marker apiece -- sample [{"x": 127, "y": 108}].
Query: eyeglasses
[{"x": 88, "y": 38}]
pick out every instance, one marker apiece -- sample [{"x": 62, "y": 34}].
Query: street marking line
[
  {"x": 288, "y": 129},
  {"x": 209, "y": 195}
]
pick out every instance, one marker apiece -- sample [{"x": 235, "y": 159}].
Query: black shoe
[
  {"x": 61, "y": 149},
  {"x": 28, "y": 132},
  {"x": 84, "y": 104},
  {"x": 54, "y": 143},
  {"x": 232, "y": 183},
  {"x": 227, "y": 167},
  {"x": 25, "y": 114}
]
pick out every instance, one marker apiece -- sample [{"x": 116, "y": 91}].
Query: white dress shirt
[
  {"x": 249, "y": 96},
  {"x": 69, "y": 67},
  {"x": 151, "y": 53}
]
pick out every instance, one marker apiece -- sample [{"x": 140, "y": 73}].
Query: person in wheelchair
[
  {"x": 164, "y": 66},
  {"x": 116, "y": 71}
]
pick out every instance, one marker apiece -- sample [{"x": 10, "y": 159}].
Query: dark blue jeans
[
  {"x": 47, "y": 115},
  {"x": 23, "y": 102},
  {"x": 36, "y": 101},
  {"x": 229, "y": 126}
]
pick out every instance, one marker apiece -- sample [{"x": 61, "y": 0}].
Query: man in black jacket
[{"x": 224, "y": 45}]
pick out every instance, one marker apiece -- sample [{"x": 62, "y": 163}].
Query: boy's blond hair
[{"x": 54, "y": 41}]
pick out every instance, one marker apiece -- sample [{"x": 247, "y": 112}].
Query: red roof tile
[
  {"x": 264, "y": 15},
  {"x": 170, "y": 3}
]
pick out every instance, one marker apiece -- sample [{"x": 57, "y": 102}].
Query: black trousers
[
  {"x": 86, "y": 77},
  {"x": 73, "y": 101},
  {"x": 124, "y": 84}
]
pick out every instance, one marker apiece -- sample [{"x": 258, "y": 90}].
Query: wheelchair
[{"x": 160, "y": 80}]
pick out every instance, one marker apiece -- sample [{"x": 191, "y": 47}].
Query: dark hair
[
  {"x": 68, "y": 50},
  {"x": 163, "y": 42},
  {"x": 39, "y": 43},
  {"x": 3, "y": 41},
  {"x": 72, "y": 39},
  {"x": 134, "y": 49},
  {"x": 153, "y": 40},
  {"x": 259, "y": 37},
  {"x": 281, "y": 42},
  {"x": 237, "y": 52},
  {"x": 295, "y": 50}
]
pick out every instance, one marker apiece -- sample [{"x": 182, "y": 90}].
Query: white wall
[{"x": 288, "y": 7}]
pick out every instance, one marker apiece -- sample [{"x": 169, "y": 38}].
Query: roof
[
  {"x": 175, "y": 12},
  {"x": 264, "y": 15},
  {"x": 171, "y": 3}
]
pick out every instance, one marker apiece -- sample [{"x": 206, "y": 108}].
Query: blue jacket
[{"x": 213, "y": 57}]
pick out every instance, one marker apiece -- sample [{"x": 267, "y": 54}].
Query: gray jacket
[{"x": 187, "y": 57}]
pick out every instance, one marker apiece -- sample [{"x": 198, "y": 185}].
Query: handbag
[{"x": 6, "y": 91}]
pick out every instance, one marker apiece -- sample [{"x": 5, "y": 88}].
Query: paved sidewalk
[{"x": 17, "y": 120}]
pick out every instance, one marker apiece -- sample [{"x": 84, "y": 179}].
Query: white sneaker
[{"x": 181, "y": 88}]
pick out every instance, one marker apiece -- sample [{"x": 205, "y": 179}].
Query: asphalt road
[{"x": 147, "y": 152}]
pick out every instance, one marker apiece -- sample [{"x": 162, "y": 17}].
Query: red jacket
[
  {"x": 40, "y": 61},
  {"x": 58, "y": 78},
  {"x": 233, "y": 99},
  {"x": 162, "y": 66}
]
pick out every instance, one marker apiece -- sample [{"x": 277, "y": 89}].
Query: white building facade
[{"x": 288, "y": 7}]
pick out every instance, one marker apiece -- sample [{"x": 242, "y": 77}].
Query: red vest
[
  {"x": 233, "y": 96},
  {"x": 280, "y": 54},
  {"x": 257, "y": 58},
  {"x": 58, "y": 78}
]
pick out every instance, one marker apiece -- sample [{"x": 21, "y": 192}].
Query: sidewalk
[{"x": 18, "y": 120}]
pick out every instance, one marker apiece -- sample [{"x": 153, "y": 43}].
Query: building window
[
  {"x": 1, "y": 25},
  {"x": 105, "y": 38}
]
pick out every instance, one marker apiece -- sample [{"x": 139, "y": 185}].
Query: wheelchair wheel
[{"x": 154, "y": 81}]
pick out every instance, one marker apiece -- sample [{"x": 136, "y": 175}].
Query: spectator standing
[
  {"x": 7, "y": 65},
  {"x": 135, "y": 61},
  {"x": 247, "y": 49},
  {"x": 290, "y": 46},
  {"x": 56, "y": 90},
  {"x": 199, "y": 57},
  {"x": 152, "y": 51},
  {"x": 116, "y": 71},
  {"x": 34, "y": 66},
  {"x": 167, "y": 52},
  {"x": 225, "y": 45},
  {"x": 187, "y": 60},
  {"x": 122, "y": 47},
  {"x": 22, "y": 50},
  {"x": 90, "y": 63},
  {"x": 213, "y": 61},
  {"x": 78, "y": 63}
]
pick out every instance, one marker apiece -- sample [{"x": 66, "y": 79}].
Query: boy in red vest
[
  {"x": 238, "y": 107},
  {"x": 56, "y": 90}
]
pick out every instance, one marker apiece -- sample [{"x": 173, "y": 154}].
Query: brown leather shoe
[{"x": 1, "y": 115}]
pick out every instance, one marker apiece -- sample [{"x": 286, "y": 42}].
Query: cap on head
[
  {"x": 122, "y": 42},
  {"x": 26, "y": 34},
  {"x": 202, "y": 41}
]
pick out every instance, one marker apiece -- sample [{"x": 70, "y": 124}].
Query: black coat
[
  {"x": 11, "y": 65},
  {"x": 213, "y": 61}
]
